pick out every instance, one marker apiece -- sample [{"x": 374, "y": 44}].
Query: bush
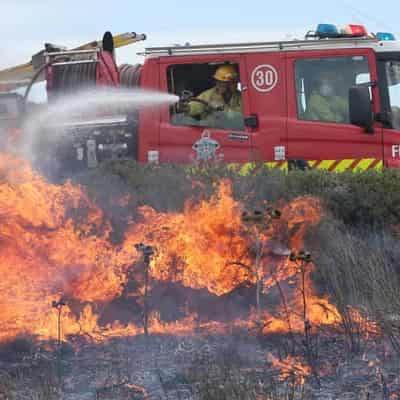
[{"x": 362, "y": 199}]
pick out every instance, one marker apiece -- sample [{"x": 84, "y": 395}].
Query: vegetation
[
  {"x": 369, "y": 199},
  {"x": 355, "y": 247}
]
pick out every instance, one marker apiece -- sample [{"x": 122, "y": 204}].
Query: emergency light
[
  {"x": 384, "y": 36},
  {"x": 331, "y": 31},
  {"x": 327, "y": 31},
  {"x": 355, "y": 31}
]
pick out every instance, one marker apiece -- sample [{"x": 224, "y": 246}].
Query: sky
[{"x": 27, "y": 24}]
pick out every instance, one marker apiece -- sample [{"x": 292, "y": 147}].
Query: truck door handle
[{"x": 252, "y": 121}]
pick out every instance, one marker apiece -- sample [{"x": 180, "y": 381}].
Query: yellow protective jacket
[
  {"x": 212, "y": 97},
  {"x": 327, "y": 109}
]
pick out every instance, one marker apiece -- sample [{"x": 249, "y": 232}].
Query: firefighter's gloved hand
[
  {"x": 182, "y": 107},
  {"x": 211, "y": 108},
  {"x": 186, "y": 96}
]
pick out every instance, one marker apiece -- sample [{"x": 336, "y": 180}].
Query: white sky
[{"x": 27, "y": 24}]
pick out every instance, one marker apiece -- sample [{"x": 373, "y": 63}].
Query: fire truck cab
[{"x": 331, "y": 101}]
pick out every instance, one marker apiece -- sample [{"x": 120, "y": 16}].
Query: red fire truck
[{"x": 287, "y": 118}]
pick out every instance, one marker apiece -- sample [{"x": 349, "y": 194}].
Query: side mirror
[
  {"x": 360, "y": 108},
  {"x": 251, "y": 122}
]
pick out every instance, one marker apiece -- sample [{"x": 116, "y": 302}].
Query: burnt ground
[
  {"x": 236, "y": 365},
  {"x": 201, "y": 366}
]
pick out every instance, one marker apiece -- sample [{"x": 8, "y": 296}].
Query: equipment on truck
[
  {"x": 21, "y": 75},
  {"x": 286, "y": 119},
  {"x": 91, "y": 137}
]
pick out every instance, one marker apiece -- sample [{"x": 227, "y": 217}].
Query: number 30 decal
[{"x": 264, "y": 78}]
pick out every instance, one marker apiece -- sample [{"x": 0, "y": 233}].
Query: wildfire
[
  {"x": 290, "y": 368},
  {"x": 55, "y": 243}
]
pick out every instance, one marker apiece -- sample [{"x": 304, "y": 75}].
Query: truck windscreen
[{"x": 393, "y": 78}]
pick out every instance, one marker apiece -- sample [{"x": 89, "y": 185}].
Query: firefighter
[
  {"x": 223, "y": 97},
  {"x": 396, "y": 117},
  {"x": 327, "y": 104}
]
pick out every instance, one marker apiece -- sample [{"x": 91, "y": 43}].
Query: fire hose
[
  {"x": 67, "y": 77},
  {"x": 73, "y": 76},
  {"x": 130, "y": 75},
  {"x": 35, "y": 78}
]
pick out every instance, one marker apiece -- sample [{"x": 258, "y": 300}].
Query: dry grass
[
  {"x": 227, "y": 378},
  {"x": 31, "y": 383},
  {"x": 359, "y": 268}
]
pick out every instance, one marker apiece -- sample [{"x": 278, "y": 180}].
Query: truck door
[
  {"x": 319, "y": 130},
  {"x": 185, "y": 138},
  {"x": 267, "y": 103},
  {"x": 389, "y": 83}
]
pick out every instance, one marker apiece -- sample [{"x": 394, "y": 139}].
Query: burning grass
[
  {"x": 223, "y": 255},
  {"x": 61, "y": 267}
]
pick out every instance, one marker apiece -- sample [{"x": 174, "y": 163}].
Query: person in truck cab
[
  {"x": 223, "y": 97},
  {"x": 329, "y": 100},
  {"x": 396, "y": 117}
]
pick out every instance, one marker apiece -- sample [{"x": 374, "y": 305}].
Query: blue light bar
[
  {"x": 327, "y": 31},
  {"x": 385, "y": 36}
]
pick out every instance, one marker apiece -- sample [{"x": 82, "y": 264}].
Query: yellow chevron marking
[
  {"x": 271, "y": 165},
  {"x": 312, "y": 163},
  {"x": 284, "y": 166},
  {"x": 343, "y": 165},
  {"x": 246, "y": 169},
  {"x": 364, "y": 164},
  {"x": 379, "y": 166},
  {"x": 326, "y": 164}
]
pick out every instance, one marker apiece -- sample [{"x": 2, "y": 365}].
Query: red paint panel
[
  {"x": 149, "y": 118},
  {"x": 267, "y": 99}
]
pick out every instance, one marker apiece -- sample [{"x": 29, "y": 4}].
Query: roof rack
[
  {"x": 260, "y": 46},
  {"x": 65, "y": 57}
]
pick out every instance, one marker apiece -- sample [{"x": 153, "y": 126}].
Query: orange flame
[
  {"x": 55, "y": 243},
  {"x": 290, "y": 368}
]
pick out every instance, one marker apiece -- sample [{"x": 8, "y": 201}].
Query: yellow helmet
[{"x": 226, "y": 73}]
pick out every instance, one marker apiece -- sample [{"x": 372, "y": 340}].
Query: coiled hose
[
  {"x": 70, "y": 77},
  {"x": 130, "y": 75}
]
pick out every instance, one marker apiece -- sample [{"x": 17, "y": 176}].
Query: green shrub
[{"x": 357, "y": 199}]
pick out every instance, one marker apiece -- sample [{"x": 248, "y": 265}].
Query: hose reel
[{"x": 130, "y": 75}]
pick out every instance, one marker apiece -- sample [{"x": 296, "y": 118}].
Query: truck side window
[
  {"x": 323, "y": 84},
  {"x": 393, "y": 79},
  {"x": 212, "y": 93}
]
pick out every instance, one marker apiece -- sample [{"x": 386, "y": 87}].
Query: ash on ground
[{"x": 214, "y": 367}]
